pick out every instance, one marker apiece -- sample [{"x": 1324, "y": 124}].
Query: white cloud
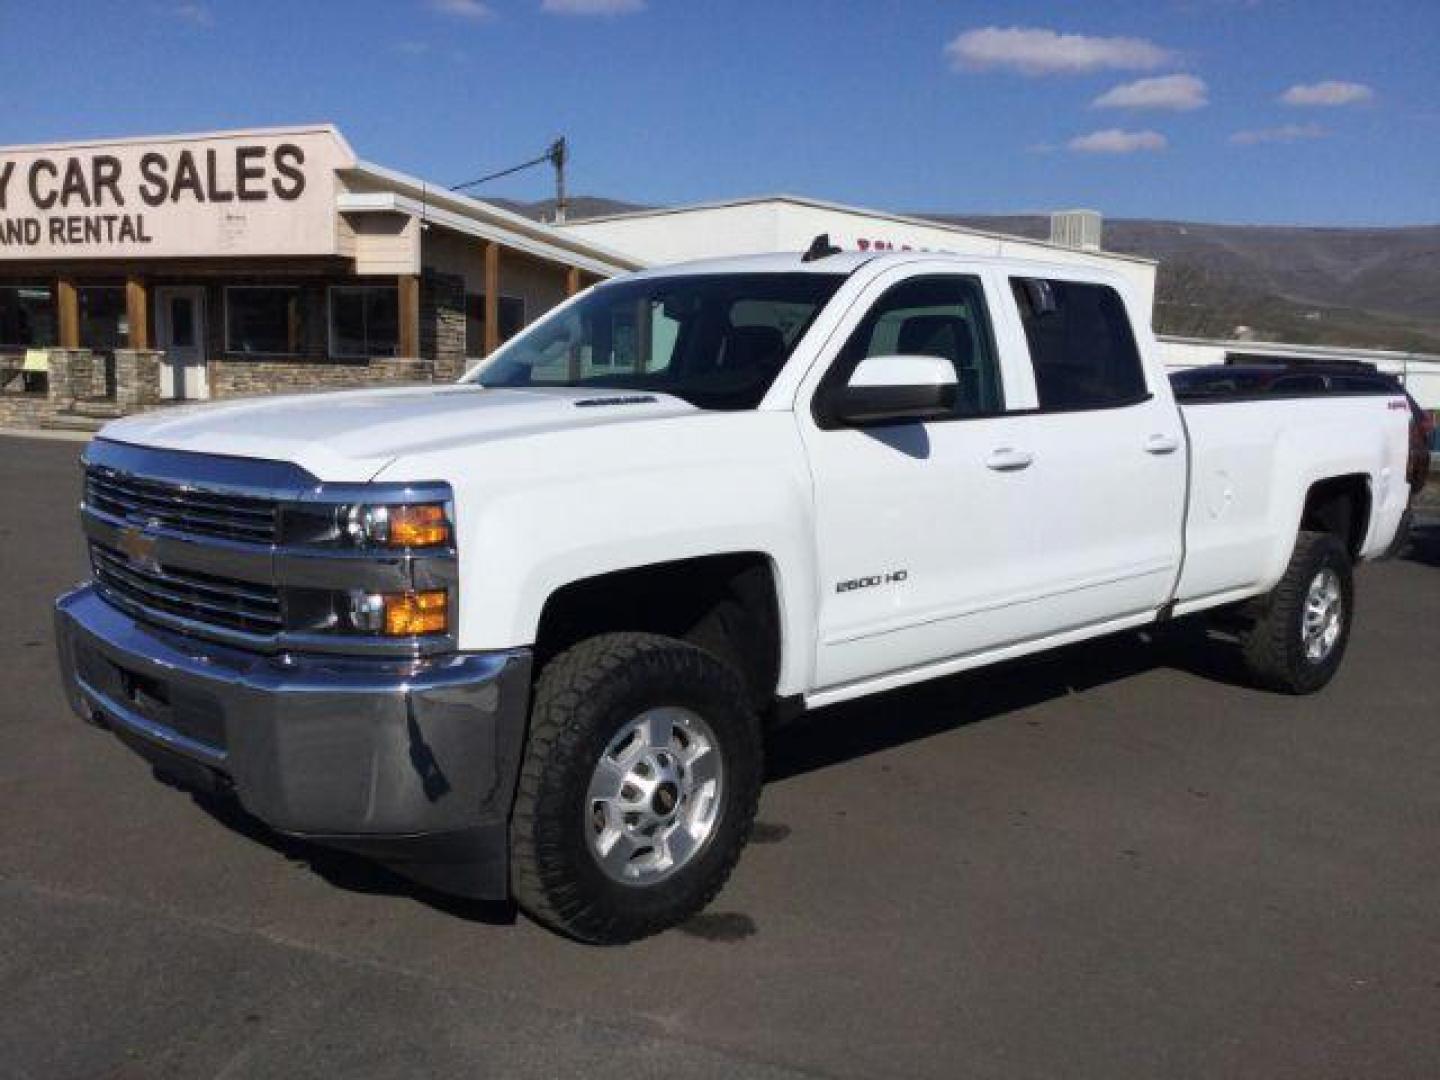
[
  {"x": 1116, "y": 141},
  {"x": 1033, "y": 51},
  {"x": 195, "y": 14},
  {"x": 1331, "y": 92},
  {"x": 592, "y": 7},
  {"x": 1178, "y": 92},
  {"x": 1286, "y": 133},
  {"x": 463, "y": 9}
]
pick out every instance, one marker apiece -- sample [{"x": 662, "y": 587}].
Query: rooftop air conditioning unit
[{"x": 1079, "y": 229}]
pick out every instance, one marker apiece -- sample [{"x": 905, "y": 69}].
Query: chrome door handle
[
  {"x": 1162, "y": 444},
  {"x": 1008, "y": 459}
]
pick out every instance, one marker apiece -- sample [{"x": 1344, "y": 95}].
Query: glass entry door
[{"x": 180, "y": 335}]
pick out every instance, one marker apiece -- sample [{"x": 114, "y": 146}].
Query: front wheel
[
  {"x": 639, "y": 786},
  {"x": 1301, "y": 628}
]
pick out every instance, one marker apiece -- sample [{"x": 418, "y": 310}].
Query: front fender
[{"x": 536, "y": 514}]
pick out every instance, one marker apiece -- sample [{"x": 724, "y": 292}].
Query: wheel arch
[
  {"x": 730, "y": 603},
  {"x": 1341, "y": 506}
]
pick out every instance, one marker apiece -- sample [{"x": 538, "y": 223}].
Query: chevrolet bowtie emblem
[{"x": 139, "y": 548}]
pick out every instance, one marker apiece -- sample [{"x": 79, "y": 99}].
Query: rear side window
[
  {"x": 940, "y": 316},
  {"x": 1081, "y": 344}
]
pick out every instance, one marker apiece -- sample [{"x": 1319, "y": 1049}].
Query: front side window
[
  {"x": 1081, "y": 344},
  {"x": 364, "y": 321},
  {"x": 27, "y": 317},
  {"x": 944, "y": 316},
  {"x": 717, "y": 341},
  {"x": 263, "y": 321}
]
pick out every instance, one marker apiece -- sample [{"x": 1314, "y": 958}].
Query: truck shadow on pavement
[
  {"x": 877, "y": 723},
  {"x": 350, "y": 872}
]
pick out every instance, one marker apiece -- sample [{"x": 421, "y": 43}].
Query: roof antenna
[{"x": 820, "y": 248}]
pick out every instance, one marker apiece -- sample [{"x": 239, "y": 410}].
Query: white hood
[{"x": 352, "y": 435}]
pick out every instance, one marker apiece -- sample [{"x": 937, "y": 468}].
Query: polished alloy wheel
[
  {"x": 1321, "y": 621},
  {"x": 654, "y": 796}
]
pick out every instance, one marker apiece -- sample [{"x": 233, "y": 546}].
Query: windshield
[{"x": 714, "y": 340}]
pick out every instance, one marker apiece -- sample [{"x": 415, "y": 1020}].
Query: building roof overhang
[{"x": 459, "y": 213}]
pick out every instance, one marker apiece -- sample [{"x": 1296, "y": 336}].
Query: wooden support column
[
  {"x": 137, "y": 312},
  {"x": 67, "y": 302},
  {"x": 409, "y": 316},
  {"x": 572, "y": 281},
  {"x": 492, "y": 296}
]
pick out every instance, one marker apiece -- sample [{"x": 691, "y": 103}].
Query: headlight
[
  {"x": 401, "y": 525},
  {"x": 407, "y": 614}
]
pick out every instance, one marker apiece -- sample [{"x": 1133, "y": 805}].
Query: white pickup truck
[{"x": 521, "y": 636}]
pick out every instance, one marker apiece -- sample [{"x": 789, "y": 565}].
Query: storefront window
[
  {"x": 512, "y": 320},
  {"x": 27, "y": 317},
  {"x": 104, "y": 325},
  {"x": 263, "y": 320},
  {"x": 364, "y": 321}
]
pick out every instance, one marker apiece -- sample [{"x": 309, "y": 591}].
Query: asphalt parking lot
[{"x": 1116, "y": 861}]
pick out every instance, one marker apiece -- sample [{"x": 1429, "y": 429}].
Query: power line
[{"x": 557, "y": 154}]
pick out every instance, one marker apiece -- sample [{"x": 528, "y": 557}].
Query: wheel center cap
[{"x": 665, "y": 798}]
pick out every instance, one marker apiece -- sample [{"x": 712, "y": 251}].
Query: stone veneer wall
[
  {"x": 76, "y": 374},
  {"x": 442, "y": 323},
  {"x": 248, "y": 378},
  {"x": 19, "y": 409},
  {"x": 137, "y": 379}
]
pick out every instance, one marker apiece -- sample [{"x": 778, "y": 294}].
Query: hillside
[{"x": 1360, "y": 287}]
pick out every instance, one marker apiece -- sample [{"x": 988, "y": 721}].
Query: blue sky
[{"x": 1275, "y": 111}]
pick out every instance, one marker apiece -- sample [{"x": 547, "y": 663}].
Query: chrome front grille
[
  {"x": 244, "y": 606},
  {"x": 226, "y": 549},
  {"x": 192, "y": 510}
]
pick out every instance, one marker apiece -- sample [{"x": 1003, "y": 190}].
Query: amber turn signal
[
  {"x": 423, "y": 525},
  {"x": 412, "y": 613}
]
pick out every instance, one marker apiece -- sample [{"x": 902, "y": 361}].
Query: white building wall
[
  {"x": 769, "y": 225},
  {"x": 685, "y": 235}
]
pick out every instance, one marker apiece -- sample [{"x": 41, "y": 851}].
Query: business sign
[{"x": 266, "y": 193}]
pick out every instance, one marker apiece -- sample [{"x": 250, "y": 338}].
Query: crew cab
[{"x": 520, "y": 636}]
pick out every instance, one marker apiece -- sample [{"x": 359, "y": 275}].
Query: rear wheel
[
  {"x": 1300, "y": 629},
  {"x": 638, "y": 790}
]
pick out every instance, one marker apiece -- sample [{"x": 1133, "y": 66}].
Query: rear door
[{"x": 1109, "y": 457}]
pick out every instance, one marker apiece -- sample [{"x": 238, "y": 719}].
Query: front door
[
  {"x": 917, "y": 523},
  {"x": 180, "y": 335}
]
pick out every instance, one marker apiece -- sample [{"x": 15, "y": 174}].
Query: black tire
[
  {"x": 1273, "y": 645},
  {"x": 584, "y": 698}
]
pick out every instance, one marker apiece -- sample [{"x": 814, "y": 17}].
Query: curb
[{"x": 51, "y": 436}]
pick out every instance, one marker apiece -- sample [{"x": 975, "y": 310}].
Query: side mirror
[{"x": 887, "y": 388}]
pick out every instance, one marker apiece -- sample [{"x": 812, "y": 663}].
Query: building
[
  {"x": 790, "y": 223},
  {"x": 137, "y": 271}
]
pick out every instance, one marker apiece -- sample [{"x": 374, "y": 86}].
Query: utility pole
[{"x": 559, "y": 154}]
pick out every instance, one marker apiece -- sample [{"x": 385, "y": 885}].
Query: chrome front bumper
[{"x": 411, "y": 761}]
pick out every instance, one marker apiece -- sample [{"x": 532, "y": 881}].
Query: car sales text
[{"x": 99, "y": 182}]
